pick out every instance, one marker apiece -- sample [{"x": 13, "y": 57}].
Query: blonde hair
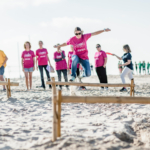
[
  {"x": 78, "y": 29},
  {"x": 26, "y": 43}
]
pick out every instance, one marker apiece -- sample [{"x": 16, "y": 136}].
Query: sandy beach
[{"x": 26, "y": 119}]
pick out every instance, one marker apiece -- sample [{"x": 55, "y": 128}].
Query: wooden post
[
  {"x": 59, "y": 114},
  {"x": 9, "y": 91},
  {"x": 133, "y": 87},
  {"x": 54, "y": 100}
]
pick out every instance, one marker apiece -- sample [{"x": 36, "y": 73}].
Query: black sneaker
[
  {"x": 123, "y": 90},
  {"x": 39, "y": 86}
]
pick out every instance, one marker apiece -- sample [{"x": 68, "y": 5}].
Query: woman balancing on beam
[
  {"x": 128, "y": 67},
  {"x": 42, "y": 58},
  {"x": 70, "y": 53},
  {"x": 28, "y": 64},
  {"x": 80, "y": 55}
]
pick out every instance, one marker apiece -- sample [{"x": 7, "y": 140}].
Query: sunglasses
[
  {"x": 78, "y": 33},
  {"x": 97, "y": 46}
]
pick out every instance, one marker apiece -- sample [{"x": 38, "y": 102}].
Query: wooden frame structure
[
  {"x": 8, "y": 85},
  {"x": 57, "y": 99}
]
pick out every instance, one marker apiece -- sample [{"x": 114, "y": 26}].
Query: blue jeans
[
  {"x": 85, "y": 64},
  {"x": 65, "y": 76},
  {"x": 2, "y": 70}
]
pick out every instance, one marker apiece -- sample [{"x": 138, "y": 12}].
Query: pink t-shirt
[
  {"x": 28, "y": 58},
  {"x": 42, "y": 56},
  {"x": 60, "y": 65},
  {"x": 70, "y": 59},
  {"x": 100, "y": 58},
  {"x": 80, "y": 46}
]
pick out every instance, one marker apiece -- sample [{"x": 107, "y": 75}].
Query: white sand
[{"x": 26, "y": 120}]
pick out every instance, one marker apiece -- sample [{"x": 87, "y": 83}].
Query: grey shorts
[{"x": 28, "y": 69}]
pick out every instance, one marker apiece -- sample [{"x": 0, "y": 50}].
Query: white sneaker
[
  {"x": 101, "y": 89},
  {"x": 106, "y": 88}
]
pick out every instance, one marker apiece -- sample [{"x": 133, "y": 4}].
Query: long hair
[{"x": 126, "y": 47}]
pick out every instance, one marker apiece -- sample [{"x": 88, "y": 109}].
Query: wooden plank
[
  {"x": 59, "y": 114},
  {"x": 54, "y": 100},
  {"x": 91, "y": 84},
  {"x": 14, "y": 84},
  {"x": 3, "y": 82},
  {"x": 103, "y": 99},
  {"x": 11, "y": 83}
]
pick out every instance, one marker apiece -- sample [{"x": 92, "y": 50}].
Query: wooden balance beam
[
  {"x": 8, "y": 85},
  {"x": 91, "y": 99},
  {"x": 57, "y": 100}
]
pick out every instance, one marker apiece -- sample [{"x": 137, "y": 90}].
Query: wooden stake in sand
[
  {"x": 54, "y": 101},
  {"x": 9, "y": 91},
  {"x": 7, "y": 88},
  {"x": 59, "y": 114},
  {"x": 132, "y": 88}
]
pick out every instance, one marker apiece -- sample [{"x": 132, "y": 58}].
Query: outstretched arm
[
  {"x": 99, "y": 32},
  {"x": 61, "y": 45},
  {"x": 117, "y": 57}
]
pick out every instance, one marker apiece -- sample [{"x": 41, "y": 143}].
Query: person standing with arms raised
[
  {"x": 3, "y": 60},
  {"x": 28, "y": 64},
  {"x": 80, "y": 55},
  {"x": 42, "y": 58},
  {"x": 100, "y": 65},
  {"x": 128, "y": 67}
]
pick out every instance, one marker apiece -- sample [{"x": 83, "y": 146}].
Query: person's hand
[
  {"x": 33, "y": 68},
  {"x": 37, "y": 68},
  {"x": 104, "y": 66},
  {"x": 68, "y": 67},
  {"x": 107, "y": 30},
  {"x": 120, "y": 65},
  {"x": 23, "y": 69},
  {"x": 55, "y": 46}
]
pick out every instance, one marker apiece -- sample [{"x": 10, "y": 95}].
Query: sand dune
[{"x": 26, "y": 120}]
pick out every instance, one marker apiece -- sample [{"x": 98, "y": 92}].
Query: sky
[{"x": 53, "y": 21}]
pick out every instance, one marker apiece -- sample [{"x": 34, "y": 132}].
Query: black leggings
[
  {"x": 42, "y": 75},
  {"x": 101, "y": 73},
  {"x": 65, "y": 76}
]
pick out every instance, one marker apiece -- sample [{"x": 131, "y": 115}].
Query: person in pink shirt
[
  {"x": 100, "y": 65},
  {"x": 28, "y": 61},
  {"x": 61, "y": 65},
  {"x": 80, "y": 55},
  {"x": 70, "y": 53},
  {"x": 42, "y": 58}
]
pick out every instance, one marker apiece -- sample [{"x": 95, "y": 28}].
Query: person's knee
[
  {"x": 122, "y": 75},
  {"x": 75, "y": 59}
]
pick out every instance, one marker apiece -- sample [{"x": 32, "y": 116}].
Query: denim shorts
[
  {"x": 28, "y": 69},
  {"x": 2, "y": 70}
]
